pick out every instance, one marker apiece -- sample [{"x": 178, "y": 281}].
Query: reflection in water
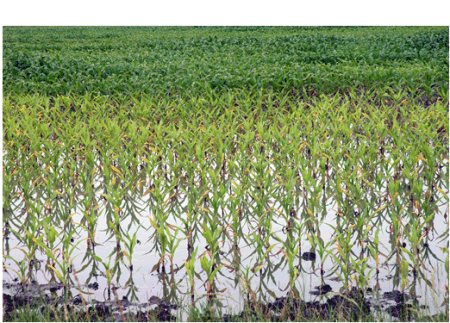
[
  {"x": 236, "y": 251},
  {"x": 215, "y": 226}
]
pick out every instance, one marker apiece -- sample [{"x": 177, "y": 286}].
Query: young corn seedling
[
  {"x": 172, "y": 244},
  {"x": 190, "y": 270},
  {"x": 246, "y": 280},
  {"x": 109, "y": 271},
  {"x": 211, "y": 269},
  {"x": 291, "y": 252},
  {"x": 322, "y": 249},
  {"x": 165, "y": 239},
  {"x": 90, "y": 217},
  {"x": 115, "y": 198},
  {"x": 343, "y": 256},
  {"x": 65, "y": 263},
  {"x": 31, "y": 233},
  {"x": 22, "y": 266},
  {"x": 129, "y": 242},
  {"x": 211, "y": 233},
  {"x": 415, "y": 231}
]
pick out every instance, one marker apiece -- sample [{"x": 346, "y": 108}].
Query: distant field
[{"x": 156, "y": 60}]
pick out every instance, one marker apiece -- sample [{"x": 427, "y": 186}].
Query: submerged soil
[{"x": 351, "y": 306}]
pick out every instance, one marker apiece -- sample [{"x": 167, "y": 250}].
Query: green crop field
[{"x": 225, "y": 173}]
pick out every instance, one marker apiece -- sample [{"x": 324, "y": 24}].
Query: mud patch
[{"x": 27, "y": 297}]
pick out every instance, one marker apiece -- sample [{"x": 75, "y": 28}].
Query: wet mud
[
  {"x": 351, "y": 306},
  {"x": 37, "y": 297}
]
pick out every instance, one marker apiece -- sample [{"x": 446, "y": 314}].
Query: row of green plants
[
  {"x": 124, "y": 60},
  {"x": 222, "y": 173}
]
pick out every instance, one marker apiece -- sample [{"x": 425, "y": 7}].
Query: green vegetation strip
[{"x": 161, "y": 60}]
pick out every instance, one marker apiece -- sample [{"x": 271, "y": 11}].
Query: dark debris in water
[
  {"x": 309, "y": 256},
  {"x": 93, "y": 286},
  {"x": 287, "y": 308},
  {"x": 396, "y": 296},
  {"x": 321, "y": 290},
  {"x": 402, "y": 311},
  {"x": 161, "y": 303}
]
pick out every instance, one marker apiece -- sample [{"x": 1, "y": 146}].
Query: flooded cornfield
[
  {"x": 228, "y": 212},
  {"x": 245, "y": 205}
]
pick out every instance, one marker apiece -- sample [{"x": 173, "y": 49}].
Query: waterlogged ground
[
  {"x": 145, "y": 283},
  {"x": 303, "y": 202}
]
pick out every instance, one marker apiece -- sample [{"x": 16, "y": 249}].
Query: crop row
[{"x": 219, "y": 172}]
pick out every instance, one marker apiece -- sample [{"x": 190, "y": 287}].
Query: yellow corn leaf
[
  {"x": 116, "y": 170},
  {"x": 392, "y": 199},
  {"x": 36, "y": 180},
  {"x": 199, "y": 200},
  {"x": 56, "y": 272},
  {"x": 422, "y": 158},
  {"x": 379, "y": 209},
  {"x": 422, "y": 236},
  {"x": 164, "y": 204},
  {"x": 366, "y": 181},
  {"x": 278, "y": 211},
  {"x": 18, "y": 193},
  {"x": 310, "y": 212},
  {"x": 202, "y": 208},
  {"x": 440, "y": 190},
  {"x": 139, "y": 184},
  {"x": 413, "y": 171},
  {"x": 171, "y": 226}
]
